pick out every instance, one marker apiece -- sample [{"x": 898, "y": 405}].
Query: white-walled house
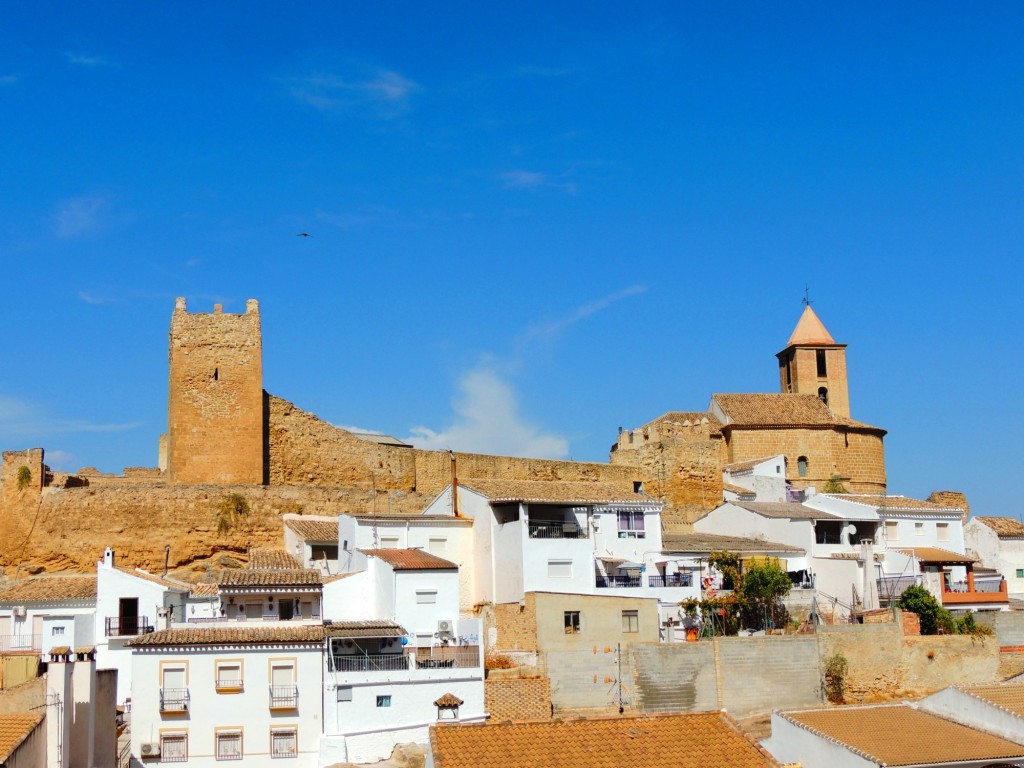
[
  {"x": 43, "y": 612},
  {"x": 995, "y": 708},
  {"x": 206, "y": 693},
  {"x": 380, "y": 690},
  {"x": 569, "y": 537},
  {"x": 130, "y": 603},
  {"x": 998, "y": 542},
  {"x": 313, "y": 541},
  {"x": 906, "y": 541},
  {"x": 761, "y": 479}
]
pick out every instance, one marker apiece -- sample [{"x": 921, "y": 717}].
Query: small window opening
[
  {"x": 801, "y": 466},
  {"x": 822, "y": 367},
  {"x": 216, "y": 374},
  {"x": 789, "y": 373},
  {"x": 638, "y": 486},
  {"x": 572, "y": 622},
  {"x": 823, "y": 394}
]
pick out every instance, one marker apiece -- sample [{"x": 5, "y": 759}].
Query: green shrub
[
  {"x": 24, "y": 477},
  {"x": 836, "y": 668},
  {"x": 232, "y": 509}
]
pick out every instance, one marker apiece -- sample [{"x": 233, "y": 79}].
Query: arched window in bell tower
[
  {"x": 823, "y": 394},
  {"x": 801, "y": 466}
]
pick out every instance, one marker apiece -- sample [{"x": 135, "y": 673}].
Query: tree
[
  {"x": 919, "y": 600},
  {"x": 765, "y": 583}
]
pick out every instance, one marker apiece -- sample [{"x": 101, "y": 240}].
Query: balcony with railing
[
  {"x": 619, "y": 582},
  {"x": 557, "y": 530},
  {"x": 128, "y": 626},
  {"x": 284, "y": 697},
  {"x": 369, "y": 662},
  {"x": 670, "y": 580},
  {"x": 448, "y": 657},
  {"x": 970, "y": 592},
  {"x": 174, "y": 700},
  {"x": 20, "y": 643}
]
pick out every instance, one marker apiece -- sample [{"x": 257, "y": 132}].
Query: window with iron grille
[
  {"x": 384, "y": 701},
  {"x": 284, "y": 742},
  {"x": 229, "y": 745},
  {"x": 174, "y": 747}
]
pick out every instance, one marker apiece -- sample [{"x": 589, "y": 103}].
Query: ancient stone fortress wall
[
  {"x": 215, "y": 404},
  {"x": 69, "y": 529}
]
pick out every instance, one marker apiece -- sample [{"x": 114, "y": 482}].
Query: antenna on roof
[{"x": 806, "y": 300}]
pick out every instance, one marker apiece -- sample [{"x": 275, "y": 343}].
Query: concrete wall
[
  {"x": 600, "y": 621},
  {"x": 742, "y": 675}
]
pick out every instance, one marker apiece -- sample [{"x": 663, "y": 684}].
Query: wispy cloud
[
  {"x": 381, "y": 93},
  {"x": 80, "y": 215},
  {"x": 94, "y": 298},
  {"x": 9, "y": 80},
  {"x": 83, "y": 60},
  {"x": 487, "y": 420},
  {"x": 520, "y": 179},
  {"x": 553, "y": 328},
  {"x": 22, "y": 418},
  {"x": 487, "y": 416}
]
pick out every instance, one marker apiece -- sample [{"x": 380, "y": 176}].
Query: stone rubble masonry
[
  {"x": 517, "y": 698},
  {"x": 911, "y": 624},
  {"x": 215, "y": 397}
]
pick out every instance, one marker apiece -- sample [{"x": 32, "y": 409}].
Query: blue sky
[{"x": 530, "y": 225}]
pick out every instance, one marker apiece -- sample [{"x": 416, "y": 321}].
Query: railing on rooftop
[
  {"x": 369, "y": 662},
  {"x": 128, "y": 626},
  {"x": 448, "y": 656},
  {"x": 555, "y": 530},
  {"x": 671, "y": 580},
  {"x": 615, "y": 582},
  {"x": 20, "y": 643}
]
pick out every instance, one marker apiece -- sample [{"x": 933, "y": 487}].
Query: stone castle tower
[
  {"x": 813, "y": 364},
  {"x": 215, "y": 430}
]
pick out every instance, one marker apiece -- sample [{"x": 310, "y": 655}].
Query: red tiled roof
[
  {"x": 902, "y": 735},
  {"x": 557, "y": 492},
  {"x": 314, "y": 530},
  {"x": 411, "y": 559},
  {"x": 47, "y": 589},
  {"x": 1005, "y": 527},
  {"x": 270, "y": 578},
  {"x": 272, "y": 560},
  {"x": 686, "y": 740},
  {"x": 266, "y": 635},
  {"x": 15, "y": 727}
]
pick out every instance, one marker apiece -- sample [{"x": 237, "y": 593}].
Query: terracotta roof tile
[
  {"x": 810, "y": 330},
  {"x": 265, "y": 635},
  {"x": 688, "y": 740},
  {"x": 1005, "y": 527},
  {"x": 902, "y": 735},
  {"x": 205, "y": 590},
  {"x": 315, "y": 530},
  {"x": 781, "y": 410},
  {"x": 449, "y": 700},
  {"x": 60, "y": 650},
  {"x": 743, "y": 466},
  {"x": 935, "y": 555},
  {"x": 712, "y": 542},
  {"x": 411, "y": 559},
  {"x": 557, "y": 492},
  {"x": 256, "y": 635},
  {"x": 737, "y": 489},
  {"x": 46, "y": 589},
  {"x": 15, "y": 727},
  {"x": 784, "y": 509},
  {"x": 895, "y": 503},
  {"x": 163, "y": 581},
  {"x": 1008, "y": 696},
  {"x": 261, "y": 578},
  {"x": 272, "y": 560}
]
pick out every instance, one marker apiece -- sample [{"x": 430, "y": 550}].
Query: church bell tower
[{"x": 813, "y": 364}]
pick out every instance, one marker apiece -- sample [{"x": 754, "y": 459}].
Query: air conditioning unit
[
  {"x": 444, "y": 627},
  {"x": 19, "y": 612},
  {"x": 151, "y": 749}
]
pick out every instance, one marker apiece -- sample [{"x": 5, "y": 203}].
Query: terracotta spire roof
[{"x": 810, "y": 330}]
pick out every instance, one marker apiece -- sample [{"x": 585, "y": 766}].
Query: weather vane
[{"x": 807, "y": 296}]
